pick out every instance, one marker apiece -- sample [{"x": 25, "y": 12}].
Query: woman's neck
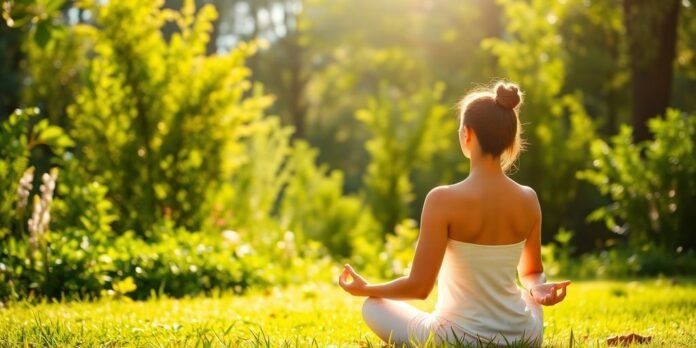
[{"x": 486, "y": 166}]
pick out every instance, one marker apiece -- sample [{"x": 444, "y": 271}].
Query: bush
[
  {"x": 155, "y": 120},
  {"x": 389, "y": 259},
  {"x": 81, "y": 256},
  {"x": 622, "y": 262},
  {"x": 652, "y": 185},
  {"x": 17, "y": 141},
  {"x": 615, "y": 260},
  {"x": 177, "y": 263},
  {"x": 24, "y": 222}
]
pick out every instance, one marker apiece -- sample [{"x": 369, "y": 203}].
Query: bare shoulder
[
  {"x": 528, "y": 192},
  {"x": 530, "y": 197},
  {"x": 438, "y": 202},
  {"x": 439, "y": 195}
]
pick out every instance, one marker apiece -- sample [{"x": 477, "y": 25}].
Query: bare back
[{"x": 490, "y": 211}]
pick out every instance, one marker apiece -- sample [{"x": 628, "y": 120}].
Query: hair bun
[{"x": 507, "y": 95}]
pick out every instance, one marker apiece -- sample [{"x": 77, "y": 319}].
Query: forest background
[{"x": 188, "y": 147}]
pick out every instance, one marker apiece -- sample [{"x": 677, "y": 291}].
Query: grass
[{"x": 323, "y": 316}]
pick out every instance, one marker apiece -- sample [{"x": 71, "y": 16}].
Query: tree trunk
[
  {"x": 297, "y": 85},
  {"x": 651, "y": 27},
  {"x": 298, "y": 82},
  {"x": 11, "y": 56}
]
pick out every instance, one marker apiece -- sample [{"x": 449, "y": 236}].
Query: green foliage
[
  {"x": 278, "y": 186},
  {"x": 82, "y": 206},
  {"x": 180, "y": 263},
  {"x": 22, "y": 252},
  {"x": 257, "y": 183},
  {"x": 389, "y": 259},
  {"x": 176, "y": 263},
  {"x": 56, "y": 70},
  {"x": 597, "y": 65},
  {"x": 408, "y": 131},
  {"x": 14, "y": 160},
  {"x": 651, "y": 184},
  {"x": 314, "y": 205},
  {"x": 180, "y": 185},
  {"x": 399, "y": 249},
  {"x": 556, "y": 256},
  {"x": 17, "y": 140},
  {"x": 38, "y": 15},
  {"x": 155, "y": 120},
  {"x": 627, "y": 263}
]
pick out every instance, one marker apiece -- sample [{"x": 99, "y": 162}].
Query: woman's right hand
[{"x": 547, "y": 294}]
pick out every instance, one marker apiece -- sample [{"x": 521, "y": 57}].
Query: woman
[{"x": 474, "y": 234}]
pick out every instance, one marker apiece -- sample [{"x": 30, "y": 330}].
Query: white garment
[
  {"x": 478, "y": 301},
  {"x": 478, "y": 294}
]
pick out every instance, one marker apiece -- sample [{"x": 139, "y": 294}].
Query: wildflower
[
  {"x": 41, "y": 212},
  {"x": 34, "y": 224},
  {"x": 288, "y": 243},
  {"x": 243, "y": 250},
  {"x": 289, "y": 237},
  {"x": 231, "y": 236},
  {"x": 24, "y": 188}
]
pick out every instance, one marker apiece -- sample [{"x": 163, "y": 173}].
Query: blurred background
[{"x": 186, "y": 147}]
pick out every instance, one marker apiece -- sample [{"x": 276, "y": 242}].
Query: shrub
[
  {"x": 652, "y": 185},
  {"x": 17, "y": 141},
  {"x": 623, "y": 262},
  {"x": 155, "y": 120},
  {"x": 279, "y": 187},
  {"x": 24, "y": 223}
]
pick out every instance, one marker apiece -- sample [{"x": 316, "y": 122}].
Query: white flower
[
  {"x": 243, "y": 250},
  {"x": 24, "y": 189},
  {"x": 289, "y": 237},
  {"x": 288, "y": 242},
  {"x": 231, "y": 236},
  {"x": 41, "y": 212},
  {"x": 34, "y": 224},
  {"x": 85, "y": 243}
]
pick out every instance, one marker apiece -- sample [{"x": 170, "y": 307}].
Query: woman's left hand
[
  {"x": 356, "y": 287},
  {"x": 547, "y": 293}
]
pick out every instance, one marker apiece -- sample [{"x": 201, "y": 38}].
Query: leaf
[
  {"x": 53, "y": 6},
  {"x": 42, "y": 34},
  {"x": 54, "y": 137}
]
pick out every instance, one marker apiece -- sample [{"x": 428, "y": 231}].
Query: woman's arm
[
  {"x": 426, "y": 263},
  {"x": 531, "y": 269}
]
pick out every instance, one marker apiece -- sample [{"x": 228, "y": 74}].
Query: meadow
[{"x": 322, "y": 315}]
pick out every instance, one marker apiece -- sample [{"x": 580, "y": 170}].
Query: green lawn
[{"x": 322, "y": 315}]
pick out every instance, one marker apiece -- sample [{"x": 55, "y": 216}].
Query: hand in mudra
[
  {"x": 352, "y": 282},
  {"x": 548, "y": 294}
]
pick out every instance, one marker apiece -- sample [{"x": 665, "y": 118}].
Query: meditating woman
[{"x": 473, "y": 236}]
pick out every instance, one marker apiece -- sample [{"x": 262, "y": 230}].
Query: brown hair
[{"x": 493, "y": 114}]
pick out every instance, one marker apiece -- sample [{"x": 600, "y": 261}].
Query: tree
[{"x": 651, "y": 28}]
